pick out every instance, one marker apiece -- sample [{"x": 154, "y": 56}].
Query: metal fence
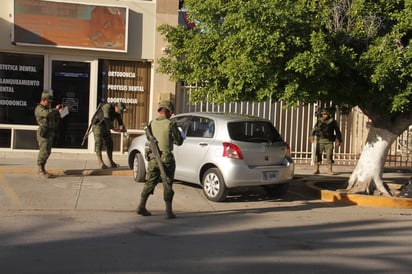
[{"x": 295, "y": 125}]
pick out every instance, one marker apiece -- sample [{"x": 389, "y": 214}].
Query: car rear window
[{"x": 253, "y": 131}]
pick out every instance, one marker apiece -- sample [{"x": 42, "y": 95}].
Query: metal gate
[{"x": 295, "y": 125}]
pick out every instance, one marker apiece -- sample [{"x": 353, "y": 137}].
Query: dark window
[
  {"x": 5, "y": 138},
  {"x": 253, "y": 131},
  {"x": 22, "y": 85},
  {"x": 201, "y": 127},
  {"x": 70, "y": 82},
  {"x": 25, "y": 139},
  {"x": 182, "y": 122}
]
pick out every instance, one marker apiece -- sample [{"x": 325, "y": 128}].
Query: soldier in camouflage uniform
[
  {"x": 47, "y": 118},
  {"x": 325, "y": 132},
  {"x": 102, "y": 124},
  {"x": 166, "y": 133}
]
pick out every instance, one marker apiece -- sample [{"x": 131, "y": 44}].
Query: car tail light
[
  {"x": 288, "y": 153},
  {"x": 231, "y": 151}
]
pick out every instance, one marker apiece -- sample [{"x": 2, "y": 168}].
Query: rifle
[
  {"x": 315, "y": 143},
  {"x": 156, "y": 152},
  {"x": 91, "y": 124}
]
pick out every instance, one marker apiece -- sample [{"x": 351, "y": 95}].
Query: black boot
[
  {"x": 110, "y": 156},
  {"x": 141, "y": 209},
  {"x": 169, "y": 211},
  {"x": 316, "y": 169},
  {"x": 330, "y": 170},
  {"x": 102, "y": 165},
  {"x": 114, "y": 165}
]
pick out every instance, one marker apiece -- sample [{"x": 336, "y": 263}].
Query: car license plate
[{"x": 269, "y": 175}]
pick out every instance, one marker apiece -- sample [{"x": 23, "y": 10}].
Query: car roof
[{"x": 227, "y": 116}]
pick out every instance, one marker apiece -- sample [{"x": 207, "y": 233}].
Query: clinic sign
[
  {"x": 127, "y": 82},
  {"x": 70, "y": 25},
  {"x": 21, "y": 83}
]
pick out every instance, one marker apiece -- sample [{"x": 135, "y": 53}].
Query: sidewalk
[{"x": 61, "y": 163}]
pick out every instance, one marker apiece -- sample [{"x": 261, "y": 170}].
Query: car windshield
[{"x": 253, "y": 131}]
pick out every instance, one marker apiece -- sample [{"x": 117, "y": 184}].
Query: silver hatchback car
[{"x": 223, "y": 151}]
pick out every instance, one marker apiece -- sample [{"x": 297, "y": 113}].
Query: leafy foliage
[{"x": 351, "y": 52}]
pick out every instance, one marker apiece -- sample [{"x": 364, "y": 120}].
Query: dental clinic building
[{"x": 86, "y": 52}]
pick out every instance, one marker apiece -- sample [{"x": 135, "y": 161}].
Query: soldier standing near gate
[{"x": 325, "y": 133}]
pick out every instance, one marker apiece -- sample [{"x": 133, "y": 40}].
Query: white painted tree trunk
[{"x": 368, "y": 172}]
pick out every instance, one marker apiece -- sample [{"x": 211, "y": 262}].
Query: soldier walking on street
[
  {"x": 102, "y": 124},
  {"x": 47, "y": 118},
  {"x": 166, "y": 134},
  {"x": 325, "y": 133}
]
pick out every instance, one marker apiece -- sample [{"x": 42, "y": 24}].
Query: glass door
[{"x": 70, "y": 82}]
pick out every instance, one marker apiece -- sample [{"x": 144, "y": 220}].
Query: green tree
[{"x": 350, "y": 52}]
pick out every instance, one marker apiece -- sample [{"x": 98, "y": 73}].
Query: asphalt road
[{"x": 87, "y": 224}]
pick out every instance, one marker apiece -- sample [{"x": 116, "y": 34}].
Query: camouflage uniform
[
  {"x": 327, "y": 132},
  {"x": 102, "y": 124},
  {"x": 47, "y": 118},
  {"x": 166, "y": 133}
]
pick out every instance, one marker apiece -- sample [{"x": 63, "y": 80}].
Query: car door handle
[{"x": 203, "y": 144}]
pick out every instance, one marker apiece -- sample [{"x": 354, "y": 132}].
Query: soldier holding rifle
[
  {"x": 102, "y": 123},
  {"x": 162, "y": 134}
]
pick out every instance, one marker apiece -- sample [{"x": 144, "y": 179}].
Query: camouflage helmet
[
  {"x": 167, "y": 105},
  {"x": 325, "y": 111},
  {"x": 329, "y": 110},
  {"x": 47, "y": 95}
]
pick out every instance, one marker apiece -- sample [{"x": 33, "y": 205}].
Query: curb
[{"x": 359, "y": 199}]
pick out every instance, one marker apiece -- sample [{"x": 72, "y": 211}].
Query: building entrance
[{"x": 70, "y": 82}]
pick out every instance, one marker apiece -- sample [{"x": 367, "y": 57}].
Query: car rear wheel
[
  {"x": 213, "y": 185},
  {"x": 277, "y": 190},
  {"x": 139, "y": 170}
]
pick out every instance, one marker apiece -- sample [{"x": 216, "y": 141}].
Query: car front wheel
[
  {"x": 139, "y": 169},
  {"x": 214, "y": 186}
]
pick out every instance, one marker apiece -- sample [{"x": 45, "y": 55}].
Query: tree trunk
[{"x": 367, "y": 175}]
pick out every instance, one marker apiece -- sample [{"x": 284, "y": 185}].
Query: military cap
[
  {"x": 167, "y": 105},
  {"x": 48, "y": 96}
]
